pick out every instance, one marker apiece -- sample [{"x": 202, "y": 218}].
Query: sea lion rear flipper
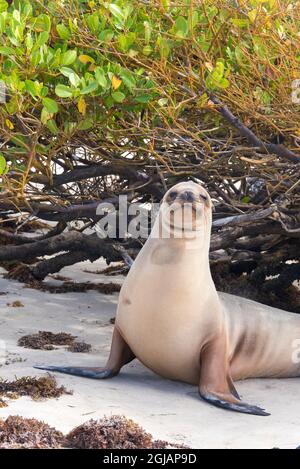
[
  {"x": 120, "y": 355},
  {"x": 216, "y": 386}
]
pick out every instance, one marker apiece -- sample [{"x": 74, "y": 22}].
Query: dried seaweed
[
  {"x": 16, "y": 304},
  {"x": 37, "y": 388},
  {"x": 119, "y": 269},
  {"x": 17, "y": 432},
  {"x": 46, "y": 340},
  {"x": 79, "y": 287},
  {"x": 79, "y": 347},
  {"x": 115, "y": 432}
]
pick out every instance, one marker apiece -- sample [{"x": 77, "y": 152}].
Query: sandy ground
[{"x": 169, "y": 410}]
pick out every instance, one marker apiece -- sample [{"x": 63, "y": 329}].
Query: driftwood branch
[
  {"x": 245, "y": 132},
  {"x": 83, "y": 172},
  {"x": 23, "y": 239},
  {"x": 61, "y": 242},
  {"x": 245, "y": 218}
]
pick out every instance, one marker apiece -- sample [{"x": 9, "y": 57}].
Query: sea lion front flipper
[
  {"x": 216, "y": 386},
  {"x": 120, "y": 355},
  {"x": 226, "y": 402},
  {"x": 232, "y": 387}
]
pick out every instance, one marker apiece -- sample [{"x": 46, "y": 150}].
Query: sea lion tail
[{"x": 95, "y": 373}]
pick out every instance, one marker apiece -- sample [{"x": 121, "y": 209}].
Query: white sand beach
[{"x": 169, "y": 410}]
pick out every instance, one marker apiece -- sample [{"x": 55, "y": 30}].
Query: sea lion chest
[{"x": 159, "y": 312}]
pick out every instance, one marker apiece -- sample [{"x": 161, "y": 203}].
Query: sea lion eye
[
  {"x": 204, "y": 197},
  {"x": 173, "y": 195}
]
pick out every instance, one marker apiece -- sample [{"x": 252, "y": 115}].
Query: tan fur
[
  {"x": 172, "y": 319},
  {"x": 173, "y": 311}
]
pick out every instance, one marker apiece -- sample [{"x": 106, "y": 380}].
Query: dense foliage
[
  {"x": 102, "y": 98},
  {"x": 130, "y": 67}
]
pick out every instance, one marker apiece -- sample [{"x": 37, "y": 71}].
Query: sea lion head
[{"x": 186, "y": 211}]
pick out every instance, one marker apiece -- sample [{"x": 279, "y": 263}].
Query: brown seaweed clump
[
  {"x": 115, "y": 432},
  {"x": 2, "y": 403},
  {"x": 119, "y": 269},
  {"x": 16, "y": 304},
  {"x": 79, "y": 287},
  {"x": 46, "y": 340},
  {"x": 79, "y": 347},
  {"x": 37, "y": 388},
  {"x": 110, "y": 432},
  {"x": 17, "y": 432}
]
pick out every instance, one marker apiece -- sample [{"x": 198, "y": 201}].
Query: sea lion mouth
[
  {"x": 179, "y": 204},
  {"x": 186, "y": 217}
]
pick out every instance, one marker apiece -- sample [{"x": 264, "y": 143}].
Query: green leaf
[
  {"x": 223, "y": 83},
  {"x": 89, "y": 88},
  {"x": 239, "y": 55},
  {"x": 93, "y": 22},
  {"x": 67, "y": 58},
  {"x": 63, "y": 91},
  {"x": 147, "y": 50},
  {"x": 20, "y": 141},
  {"x": 42, "y": 39},
  {"x": 163, "y": 102},
  {"x": 148, "y": 30},
  {"x": 181, "y": 27},
  {"x": 31, "y": 87},
  {"x": 2, "y": 23},
  {"x": 3, "y": 5},
  {"x": 69, "y": 127},
  {"x": 240, "y": 22},
  {"x": 2, "y": 164},
  {"x": 145, "y": 98},
  {"x": 51, "y": 124},
  {"x": 118, "y": 96},
  {"x": 100, "y": 77},
  {"x": 86, "y": 124},
  {"x": 126, "y": 40},
  {"x": 7, "y": 50},
  {"x": 116, "y": 12},
  {"x": 42, "y": 23},
  {"x": 69, "y": 73},
  {"x": 45, "y": 116},
  {"x": 63, "y": 31},
  {"x": 50, "y": 105},
  {"x": 29, "y": 41},
  {"x": 128, "y": 79},
  {"x": 164, "y": 47},
  {"x": 44, "y": 91}
]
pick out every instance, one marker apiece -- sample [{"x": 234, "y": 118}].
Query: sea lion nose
[{"x": 188, "y": 196}]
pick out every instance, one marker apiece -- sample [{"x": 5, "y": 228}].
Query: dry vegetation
[{"x": 115, "y": 432}]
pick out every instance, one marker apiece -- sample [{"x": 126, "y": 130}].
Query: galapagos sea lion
[{"x": 173, "y": 320}]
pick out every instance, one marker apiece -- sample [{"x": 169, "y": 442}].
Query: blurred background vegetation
[{"x": 129, "y": 97}]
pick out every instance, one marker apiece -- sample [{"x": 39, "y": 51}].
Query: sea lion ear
[{"x": 213, "y": 208}]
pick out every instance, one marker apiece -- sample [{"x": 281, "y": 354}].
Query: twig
[{"x": 272, "y": 148}]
